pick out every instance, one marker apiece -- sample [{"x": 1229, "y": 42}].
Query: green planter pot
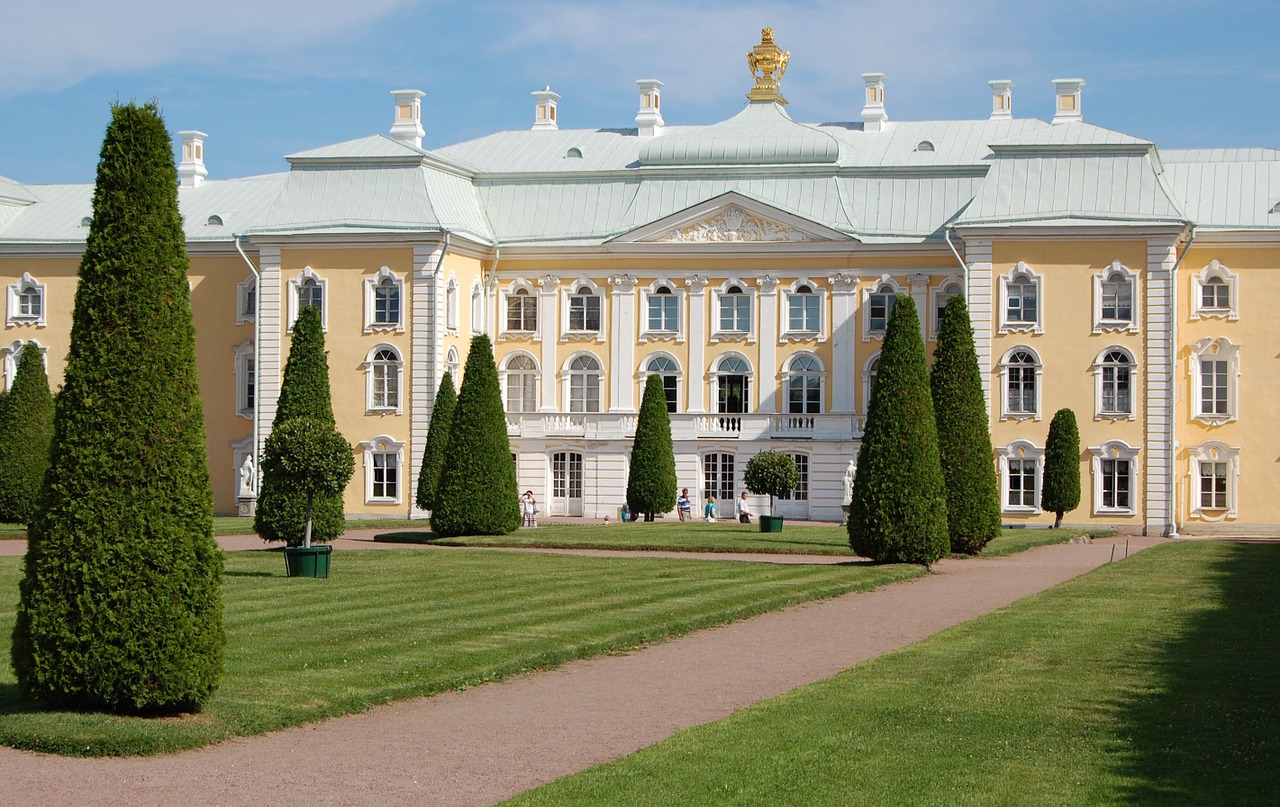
[
  {"x": 304, "y": 561},
  {"x": 770, "y": 523}
]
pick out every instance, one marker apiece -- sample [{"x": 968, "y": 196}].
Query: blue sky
[{"x": 265, "y": 79}]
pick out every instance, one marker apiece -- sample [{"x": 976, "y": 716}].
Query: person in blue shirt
[
  {"x": 709, "y": 510},
  {"x": 684, "y": 505}
]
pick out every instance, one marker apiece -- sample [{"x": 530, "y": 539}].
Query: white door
[
  {"x": 566, "y": 483},
  {"x": 796, "y": 503}
]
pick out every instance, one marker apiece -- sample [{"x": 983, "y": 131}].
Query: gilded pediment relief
[
  {"x": 732, "y": 218},
  {"x": 733, "y": 224}
]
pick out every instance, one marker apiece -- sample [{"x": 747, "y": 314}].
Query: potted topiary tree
[
  {"x": 775, "y": 474},
  {"x": 308, "y": 457}
]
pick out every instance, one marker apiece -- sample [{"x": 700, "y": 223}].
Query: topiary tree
[
  {"x": 26, "y": 430},
  {"x": 437, "y": 443},
  {"x": 121, "y": 604},
  {"x": 281, "y": 514},
  {"x": 477, "y": 493},
  {"x": 1061, "y": 490},
  {"x": 651, "y": 483},
  {"x": 771, "y": 473},
  {"x": 309, "y": 457},
  {"x": 899, "y": 508},
  {"x": 964, "y": 435}
]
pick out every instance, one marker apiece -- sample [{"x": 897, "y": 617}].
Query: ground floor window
[
  {"x": 801, "y": 493},
  {"x": 717, "y": 477},
  {"x": 386, "y": 476},
  {"x": 1213, "y": 485},
  {"x": 1023, "y": 491},
  {"x": 1116, "y": 476}
]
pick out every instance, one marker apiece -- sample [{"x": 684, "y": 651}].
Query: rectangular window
[
  {"x": 386, "y": 476},
  {"x": 1213, "y": 387},
  {"x": 1115, "y": 485},
  {"x": 386, "y": 304},
  {"x": 584, "y": 313},
  {"x": 250, "y": 301},
  {"x": 1022, "y": 390},
  {"x": 1117, "y": 397},
  {"x": 801, "y": 493},
  {"x": 881, "y": 304},
  {"x": 250, "y": 384},
  {"x": 1022, "y": 483},
  {"x": 805, "y": 314},
  {"x": 1022, "y": 302},
  {"x": 1213, "y": 486},
  {"x": 663, "y": 311},
  {"x": 522, "y": 392},
  {"x": 522, "y": 313},
  {"x": 671, "y": 389},
  {"x": 1117, "y": 301},
  {"x": 735, "y": 312}
]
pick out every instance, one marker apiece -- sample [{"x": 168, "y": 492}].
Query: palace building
[{"x": 751, "y": 264}]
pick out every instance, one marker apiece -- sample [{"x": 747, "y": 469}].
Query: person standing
[
  {"x": 743, "y": 509},
  {"x": 709, "y": 510},
  {"x": 684, "y": 506},
  {"x": 529, "y": 507}
]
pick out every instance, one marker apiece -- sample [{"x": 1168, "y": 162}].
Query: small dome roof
[{"x": 761, "y": 134}]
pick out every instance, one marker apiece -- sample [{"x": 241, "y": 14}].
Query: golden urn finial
[{"x": 768, "y": 63}]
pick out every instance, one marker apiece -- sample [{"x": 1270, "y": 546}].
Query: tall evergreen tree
[
  {"x": 477, "y": 493},
  {"x": 437, "y": 443},
  {"x": 964, "y": 434},
  {"x": 121, "y": 603},
  {"x": 651, "y": 483},
  {"x": 26, "y": 430},
  {"x": 1061, "y": 490},
  {"x": 304, "y": 392},
  {"x": 899, "y": 508}
]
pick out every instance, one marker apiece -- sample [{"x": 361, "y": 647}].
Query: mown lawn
[
  {"x": 1152, "y": 681},
  {"x": 399, "y": 624},
  {"x": 234, "y": 525}
]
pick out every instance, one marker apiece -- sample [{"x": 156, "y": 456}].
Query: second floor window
[
  {"x": 1215, "y": 295},
  {"x": 804, "y": 310},
  {"x": 735, "y": 310},
  {"x": 386, "y": 380},
  {"x": 804, "y": 386},
  {"x": 386, "y": 302},
  {"x": 664, "y": 310},
  {"x": 522, "y": 311},
  {"x": 880, "y": 305},
  {"x": 666, "y": 367},
  {"x": 1021, "y": 384},
  {"x": 1022, "y": 303},
  {"x": 522, "y": 384},
  {"x": 1214, "y": 399},
  {"x": 584, "y": 384},
  {"x": 584, "y": 310},
  {"x": 311, "y": 295},
  {"x": 1117, "y": 376}
]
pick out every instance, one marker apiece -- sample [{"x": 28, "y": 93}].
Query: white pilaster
[
  {"x": 270, "y": 361},
  {"x": 1160, "y": 440},
  {"x": 548, "y": 319},
  {"x": 768, "y": 344},
  {"x": 426, "y": 356},
  {"x": 980, "y": 298},
  {"x": 622, "y": 350},
  {"x": 844, "y": 335},
  {"x": 697, "y": 326},
  {"x": 920, "y": 296}
]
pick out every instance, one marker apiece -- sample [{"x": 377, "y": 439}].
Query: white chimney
[
  {"x": 1001, "y": 99},
  {"x": 1067, "y": 100},
  {"x": 649, "y": 118},
  {"x": 191, "y": 171},
  {"x": 874, "y": 117},
  {"x": 544, "y": 113},
  {"x": 407, "y": 125}
]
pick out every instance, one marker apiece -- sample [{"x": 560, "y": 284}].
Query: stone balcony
[{"x": 622, "y": 426}]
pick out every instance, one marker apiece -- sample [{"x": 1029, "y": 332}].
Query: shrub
[
  {"x": 477, "y": 493},
  {"x": 771, "y": 473},
  {"x": 964, "y": 434},
  {"x": 651, "y": 483},
  {"x": 310, "y": 457},
  {"x": 121, "y": 604},
  {"x": 1061, "y": 490},
  {"x": 26, "y": 430},
  {"x": 437, "y": 443},
  {"x": 899, "y": 507},
  {"x": 304, "y": 392}
]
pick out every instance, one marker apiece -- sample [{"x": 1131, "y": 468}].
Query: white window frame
[
  {"x": 753, "y": 389},
  {"x": 1114, "y": 450},
  {"x": 790, "y": 373},
  {"x": 453, "y": 366},
  {"x": 1018, "y": 273},
  {"x": 1021, "y": 450},
  {"x": 246, "y": 374},
  {"x": 567, "y": 295},
  {"x": 371, "y": 365},
  {"x": 678, "y": 292},
  {"x": 938, "y": 297},
  {"x": 504, "y": 377},
  {"x": 385, "y": 445},
  {"x": 295, "y": 301},
  {"x": 792, "y": 293},
  {"x": 869, "y": 370},
  {"x": 246, "y": 300},
  {"x": 1214, "y": 451},
  {"x": 718, "y": 298},
  {"x": 877, "y": 287},
  {"x": 9, "y": 358},
  {"x": 642, "y": 375},
  {"x": 1220, "y": 349},
  {"x": 451, "y": 308},
  {"x": 477, "y": 307},
  {"x": 371, "y": 286},
  {"x": 1103, "y": 324},
  {"x": 1099, "y": 384},
  {"x": 27, "y": 283},
  {"x": 523, "y": 289},
  {"x": 566, "y": 381},
  {"x": 1215, "y": 270},
  {"x": 1005, "y": 413}
]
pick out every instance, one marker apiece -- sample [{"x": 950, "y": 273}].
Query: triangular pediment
[{"x": 731, "y": 218}]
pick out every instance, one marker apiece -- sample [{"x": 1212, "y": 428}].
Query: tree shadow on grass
[
  {"x": 1208, "y": 731},
  {"x": 12, "y": 702}
]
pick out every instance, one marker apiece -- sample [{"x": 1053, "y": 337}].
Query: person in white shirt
[{"x": 743, "y": 509}]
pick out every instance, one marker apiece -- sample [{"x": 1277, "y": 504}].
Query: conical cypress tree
[
  {"x": 26, "y": 429},
  {"x": 899, "y": 508},
  {"x": 651, "y": 485},
  {"x": 1061, "y": 490},
  {"x": 477, "y": 493},
  {"x": 964, "y": 435},
  {"x": 304, "y": 392},
  {"x": 437, "y": 443},
  {"x": 121, "y": 600}
]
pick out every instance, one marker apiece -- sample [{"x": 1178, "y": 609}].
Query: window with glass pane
[
  {"x": 1022, "y": 301},
  {"x": 1022, "y": 384},
  {"x": 522, "y": 384},
  {"x": 801, "y": 493},
  {"x": 717, "y": 480},
  {"x": 1115, "y": 485},
  {"x": 735, "y": 310},
  {"x": 386, "y": 302},
  {"x": 1215, "y": 294},
  {"x": 804, "y": 386},
  {"x": 873, "y": 372},
  {"x": 804, "y": 312},
  {"x": 1117, "y": 298},
  {"x": 584, "y": 310},
  {"x": 942, "y": 298},
  {"x": 664, "y": 310},
  {"x": 880, "y": 305},
  {"x": 30, "y": 302},
  {"x": 451, "y": 305},
  {"x": 250, "y": 300},
  {"x": 566, "y": 475},
  {"x": 311, "y": 295},
  {"x": 248, "y": 383},
  {"x": 386, "y": 476},
  {"x": 1022, "y": 483},
  {"x": 584, "y": 384},
  {"x": 666, "y": 367},
  {"x": 1213, "y": 485},
  {"x": 732, "y": 386},
  {"x": 522, "y": 311},
  {"x": 386, "y": 379},
  {"x": 1213, "y": 387},
  {"x": 1117, "y": 395}
]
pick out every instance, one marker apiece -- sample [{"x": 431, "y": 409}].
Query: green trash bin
[
  {"x": 307, "y": 561},
  {"x": 770, "y": 523}
]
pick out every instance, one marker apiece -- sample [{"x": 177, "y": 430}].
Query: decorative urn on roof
[{"x": 768, "y": 63}]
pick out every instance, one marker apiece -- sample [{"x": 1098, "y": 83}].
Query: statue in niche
[{"x": 248, "y": 478}]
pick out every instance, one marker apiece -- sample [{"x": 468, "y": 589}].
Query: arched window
[
  {"x": 666, "y": 367},
  {"x": 522, "y": 311},
  {"x": 522, "y": 383},
  {"x": 1022, "y": 302},
  {"x": 451, "y": 304},
  {"x": 384, "y": 368},
  {"x": 804, "y": 310},
  {"x": 1021, "y": 388},
  {"x": 584, "y": 384},
  {"x": 879, "y": 306},
  {"x": 1117, "y": 298},
  {"x": 584, "y": 310},
  {"x": 940, "y": 303},
  {"x": 309, "y": 290},
  {"x": 452, "y": 364},
  {"x": 733, "y": 380},
  {"x": 804, "y": 386},
  {"x": 386, "y": 302},
  {"x": 1115, "y": 394},
  {"x": 664, "y": 310},
  {"x": 26, "y": 301},
  {"x": 870, "y": 371},
  {"x": 1020, "y": 297},
  {"x": 735, "y": 310},
  {"x": 310, "y": 295}
]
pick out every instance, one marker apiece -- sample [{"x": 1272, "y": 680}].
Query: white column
[
  {"x": 768, "y": 334},
  {"x": 920, "y": 296},
  {"x": 425, "y": 362},
  {"x": 980, "y": 297},
  {"x": 622, "y": 344},
  {"x": 548, "y": 322},
  {"x": 271, "y": 309},
  {"x": 697, "y": 328},
  {"x": 1158, "y": 453},
  {"x": 844, "y": 336}
]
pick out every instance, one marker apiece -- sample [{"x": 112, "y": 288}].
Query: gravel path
[{"x": 488, "y": 743}]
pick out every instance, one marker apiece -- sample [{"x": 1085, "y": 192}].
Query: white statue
[
  {"x": 848, "y": 481},
  {"x": 248, "y": 476}
]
